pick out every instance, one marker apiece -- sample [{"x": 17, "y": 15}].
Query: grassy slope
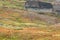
[
  {"x": 12, "y": 4},
  {"x": 15, "y": 20},
  {"x": 30, "y": 34}
]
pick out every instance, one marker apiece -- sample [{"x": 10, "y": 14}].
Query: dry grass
[{"x": 31, "y": 32}]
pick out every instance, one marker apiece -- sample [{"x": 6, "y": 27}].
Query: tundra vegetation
[{"x": 19, "y": 24}]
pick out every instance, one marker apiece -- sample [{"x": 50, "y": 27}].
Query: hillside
[
  {"x": 11, "y": 17},
  {"x": 16, "y": 25},
  {"x": 18, "y": 4},
  {"x": 19, "y": 24}
]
